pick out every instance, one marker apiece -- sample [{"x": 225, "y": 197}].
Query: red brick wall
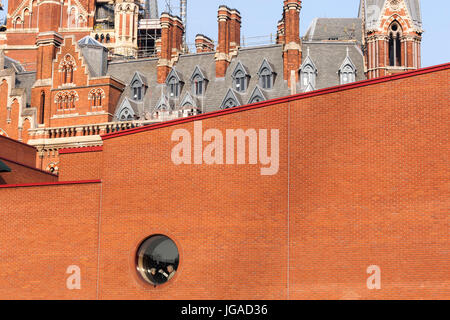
[
  {"x": 21, "y": 174},
  {"x": 80, "y": 166},
  {"x": 16, "y": 151},
  {"x": 363, "y": 180},
  {"x": 370, "y": 185},
  {"x": 44, "y": 230}
]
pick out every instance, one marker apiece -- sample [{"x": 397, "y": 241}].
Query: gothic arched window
[
  {"x": 308, "y": 76},
  {"x": 266, "y": 79},
  {"x": 395, "y": 44},
  {"x": 126, "y": 115},
  {"x": 266, "y": 75},
  {"x": 174, "y": 87},
  {"x": 96, "y": 96},
  {"x": 308, "y": 73},
  {"x": 137, "y": 90},
  {"x": 347, "y": 74},
  {"x": 199, "y": 82},
  {"x": 67, "y": 67},
  {"x": 42, "y": 104},
  {"x": 230, "y": 103},
  {"x": 240, "y": 78}
]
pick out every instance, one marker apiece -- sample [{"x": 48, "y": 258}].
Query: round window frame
[{"x": 144, "y": 281}]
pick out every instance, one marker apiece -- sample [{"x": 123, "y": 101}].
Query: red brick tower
[
  {"x": 289, "y": 35},
  {"x": 392, "y": 36},
  {"x": 47, "y": 41}
]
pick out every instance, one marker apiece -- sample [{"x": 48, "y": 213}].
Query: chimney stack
[
  {"x": 203, "y": 43},
  {"x": 171, "y": 44},
  {"x": 280, "y": 32},
  {"x": 235, "y": 31},
  {"x": 229, "y": 38},
  {"x": 292, "y": 51}
]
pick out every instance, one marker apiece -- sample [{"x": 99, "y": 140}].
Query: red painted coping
[
  {"x": 80, "y": 150},
  {"x": 43, "y": 184},
  {"x": 299, "y": 96}
]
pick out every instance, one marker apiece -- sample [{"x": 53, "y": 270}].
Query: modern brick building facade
[{"x": 362, "y": 180}]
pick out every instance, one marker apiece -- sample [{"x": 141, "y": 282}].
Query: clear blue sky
[{"x": 260, "y": 17}]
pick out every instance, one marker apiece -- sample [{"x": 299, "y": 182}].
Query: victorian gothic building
[{"x": 73, "y": 70}]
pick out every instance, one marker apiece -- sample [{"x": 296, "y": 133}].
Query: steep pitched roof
[
  {"x": 89, "y": 41},
  {"x": 342, "y": 29}
]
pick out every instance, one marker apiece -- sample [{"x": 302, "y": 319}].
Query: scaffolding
[{"x": 149, "y": 31}]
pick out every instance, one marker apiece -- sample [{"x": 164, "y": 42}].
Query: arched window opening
[
  {"x": 174, "y": 90},
  {"x": 239, "y": 81},
  {"x": 137, "y": 90},
  {"x": 18, "y": 23},
  {"x": 66, "y": 69},
  {"x": 240, "y": 78},
  {"x": 230, "y": 103},
  {"x": 256, "y": 99},
  {"x": 96, "y": 97},
  {"x": 266, "y": 79},
  {"x": 198, "y": 85},
  {"x": 42, "y": 108},
  {"x": 347, "y": 75},
  {"x": 126, "y": 115},
  {"x": 395, "y": 45},
  {"x": 308, "y": 76},
  {"x": 72, "y": 21}
]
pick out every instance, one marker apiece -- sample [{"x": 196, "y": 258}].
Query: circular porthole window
[{"x": 157, "y": 259}]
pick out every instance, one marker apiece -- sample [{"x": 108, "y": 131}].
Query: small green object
[{"x": 4, "y": 167}]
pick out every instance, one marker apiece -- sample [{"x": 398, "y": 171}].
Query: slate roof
[
  {"x": 26, "y": 80},
  {"x": 251, "y": 59},
  {"x": 89, "y": 41},
  {"x": 322, "y": 29},
  {"x": 328, "y": 58},
  {"x": 327, "y": 55}
]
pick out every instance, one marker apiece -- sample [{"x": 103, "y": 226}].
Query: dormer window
[
  {"x": 198, "y": 86},
  {"x": 137, "y": 91},
  {"x": 230, "y": 100},
  {"x": 266, "y": 75},
  {"x": 199, "y": 82},
  {"x": 266, "y": 79},
  {"x": 174, "y": 89},
  {"x": 125, "y": 111},
  {"x": 174, "y": 84},
  {"x": 308, "y": 73},
  {"x": 257, "y": 96},
  {"x": 239, "y": 81},
  {"x": 347, "y": 71},
  {"x": 347, "y": 75},
  {"x": 138, "y": 86},
  {"x": 240, "y": 78}
]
